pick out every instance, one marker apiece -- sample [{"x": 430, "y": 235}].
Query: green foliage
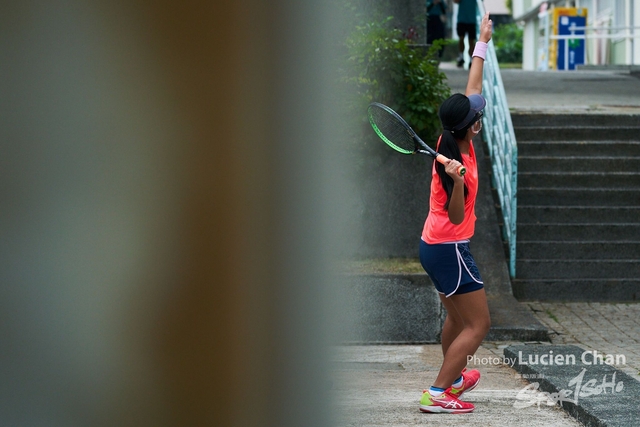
[
  {"x": 507, "y": 39},
  {"x": 382, "y": 66}
]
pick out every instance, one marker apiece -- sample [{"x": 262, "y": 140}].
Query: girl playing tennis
[{"x": 444, "y": 248}]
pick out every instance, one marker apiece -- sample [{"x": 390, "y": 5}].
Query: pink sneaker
[
  {"x": 470, "y": 380},
  {"x": 445, "y": 403}
]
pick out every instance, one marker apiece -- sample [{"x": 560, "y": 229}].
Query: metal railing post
[{"x": 501, "y": 140}]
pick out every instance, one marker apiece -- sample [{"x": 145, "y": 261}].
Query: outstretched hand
[{"x": 486, "y": 28}]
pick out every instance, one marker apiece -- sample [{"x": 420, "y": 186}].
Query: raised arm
[{"x": 474, "y": 85}]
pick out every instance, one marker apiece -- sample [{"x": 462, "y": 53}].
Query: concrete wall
[
  {"x": 411, "y": 13},
  {"x": 393, "y": 308},
  {"x": 406, "y": 14},
  {"x": 393, "y": 201}
]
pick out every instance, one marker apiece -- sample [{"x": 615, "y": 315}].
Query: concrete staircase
[{"x": 578, "y": 235}]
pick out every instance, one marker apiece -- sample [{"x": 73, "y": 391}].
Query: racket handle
[{"x": 444, "y": 160}]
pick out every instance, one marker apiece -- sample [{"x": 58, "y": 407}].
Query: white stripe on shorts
[{"x": 460, "y": 264}]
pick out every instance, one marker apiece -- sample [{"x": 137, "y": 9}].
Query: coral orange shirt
[{"x": 437, "y": 227}]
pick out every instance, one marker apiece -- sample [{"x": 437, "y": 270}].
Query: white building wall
[
  {"x": 613, "y": 12},
  {"x": 633, "y": 8},
  {"x": 496, "y": 7},
  {"x": 529, "y": 49}
]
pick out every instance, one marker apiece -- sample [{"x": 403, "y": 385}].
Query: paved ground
[
  {"x": 382, "y": 385},
  {"x": 580, "y": 92},
  {"x": 607, "y": 328}
]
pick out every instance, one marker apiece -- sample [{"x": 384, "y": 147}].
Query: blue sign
[{"x": 571, "y": 52}]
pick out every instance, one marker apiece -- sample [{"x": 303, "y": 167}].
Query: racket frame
[{"x": 419, "y": 147}]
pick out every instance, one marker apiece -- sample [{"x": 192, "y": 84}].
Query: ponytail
[
  {"x": 457, "y": 115},
  {"x": 448, "y": 147}
]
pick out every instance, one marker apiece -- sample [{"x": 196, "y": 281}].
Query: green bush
[
  {"x": 507, "y": 39},
  {"x": 382, "y": 66}
]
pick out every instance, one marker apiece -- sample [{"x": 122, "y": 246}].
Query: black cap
[{"x": 476, "y": 104}]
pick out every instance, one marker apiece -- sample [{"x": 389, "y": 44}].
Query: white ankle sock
[
  {"x": 435, "y": 391},
  {"x": 458, "y": 383}
]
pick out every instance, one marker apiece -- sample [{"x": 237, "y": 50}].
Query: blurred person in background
[
  {"x": 436, "y": 21},
  {"x": 465, "y": 27}
]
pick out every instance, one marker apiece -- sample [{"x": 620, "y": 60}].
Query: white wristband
[{"x": 480, "y": 50}]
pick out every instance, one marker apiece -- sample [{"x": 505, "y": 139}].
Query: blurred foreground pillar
[{"x": 164, "y": 218}]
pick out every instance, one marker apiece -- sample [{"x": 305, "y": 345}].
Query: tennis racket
[{"x": 393, "y": 130}]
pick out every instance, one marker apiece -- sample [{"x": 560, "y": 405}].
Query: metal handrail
[{"x": 503, "y": 150}]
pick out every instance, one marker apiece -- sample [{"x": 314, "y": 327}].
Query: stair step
[
  {"x": 624, "y": 232},
  {"x": 574, "y": 120},
  {"x": 566, "y": 133},
  {"x": 578, "y": 196},
  {"x": 579, "y": 179},
  {"x": 559, "y": 249},
  {"x": 577, "y": 214},
  {"x": 578, "y": 269},
  {"x": 579, "y": 148},
  {"x": 578, "y": 164},
  {"x": 576, "y": 290}
]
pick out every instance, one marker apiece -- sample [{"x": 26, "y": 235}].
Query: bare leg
[
  {"x": 461, "y": 46},
  {"x": 453, "y": 324},
  {"x": 460, "y": 58},
  {"x": 472, "y": 308},
  {"x": 472, "y": 46}
]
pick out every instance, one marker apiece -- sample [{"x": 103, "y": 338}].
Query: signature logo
[{"x": 531, "y": 395}]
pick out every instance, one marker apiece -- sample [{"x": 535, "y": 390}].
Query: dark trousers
[{"x": 435, "y": 30}]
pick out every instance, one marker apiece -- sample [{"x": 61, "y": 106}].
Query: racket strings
[{"x": 391, "y": 129}]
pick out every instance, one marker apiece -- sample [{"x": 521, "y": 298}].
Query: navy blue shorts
[{"x": 451, "y": 267}]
